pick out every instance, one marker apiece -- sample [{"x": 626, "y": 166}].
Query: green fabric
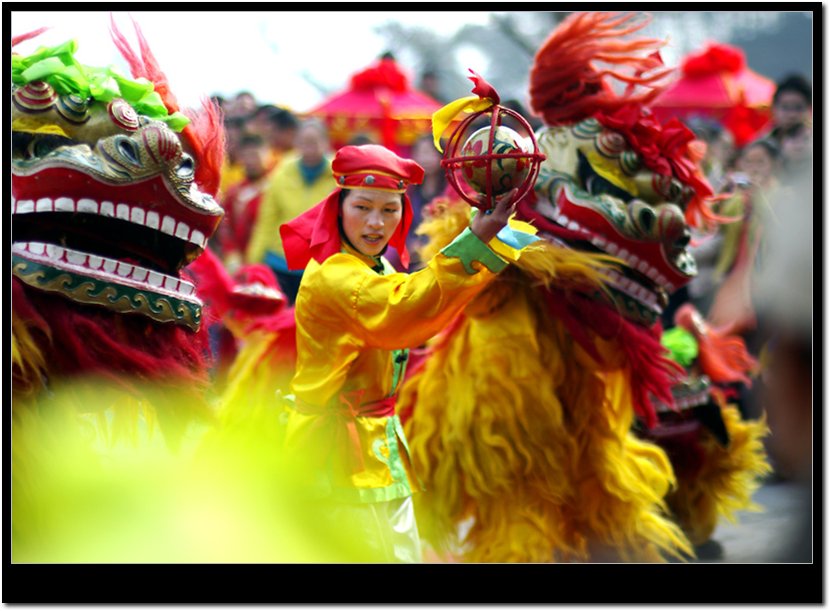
[
  {"x": 468, "y": 247},
  {"x": 400, "y": 488},
  {"x": 58, "y": 67},
  {"x": 681, "y": 344},
  {"x": 399, "y": 360}
]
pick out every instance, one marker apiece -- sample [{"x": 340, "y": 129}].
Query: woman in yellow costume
[
  {"x": 356, "y": 321},
  {"x": 520, "y": 415}
]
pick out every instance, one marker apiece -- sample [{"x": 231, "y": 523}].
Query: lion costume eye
[{"x": 186, "y": 168}]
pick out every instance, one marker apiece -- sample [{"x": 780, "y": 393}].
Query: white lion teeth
[
  {"x": 37, "y": 248},
  {"x": 24, "y": 206},
  {"x": 197, "y": 237},
  {"x": 133, "y": 214},
  {"x": 182, "y": 231},
  {"x": 87, "y": 205},
  {"x": 73, "y": 260},
  {"x": 124, "y": 269},
  {"x": 168, "y": 225},
  {"x": 152, "y": 220},
  {"x": 155, "y": 279},
  {"x": 64, "y": 204},
  {"x": 54, "y": 252}
]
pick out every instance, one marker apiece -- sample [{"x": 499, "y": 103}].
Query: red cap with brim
[{"x": 315, "y": 234}]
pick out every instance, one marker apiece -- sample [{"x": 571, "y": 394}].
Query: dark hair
[
  {"x": 278, "y": 116},
  {"x": 796, "y": 83},
  {"x": 235, "y": 121},
  {"x": 249, "y": 139},
  {"x": 771, "y": 146}
]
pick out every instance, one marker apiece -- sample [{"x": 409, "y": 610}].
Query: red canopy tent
[
  {"x": 380, "y": 103},
  {"x": 716, "y": 83}
]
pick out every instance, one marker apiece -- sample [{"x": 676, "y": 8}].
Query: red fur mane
[
  {"x": 566, "y": 85},
  {"x": 204, "y": 134}
]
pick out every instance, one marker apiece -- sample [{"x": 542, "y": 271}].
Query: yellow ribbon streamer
[{"x": 442, "y": 117}]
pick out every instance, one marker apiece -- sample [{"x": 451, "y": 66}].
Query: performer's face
[{"x": 370, "y": 218}]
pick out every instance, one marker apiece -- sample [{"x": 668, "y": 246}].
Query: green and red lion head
[{"x": 112, "y": 187}]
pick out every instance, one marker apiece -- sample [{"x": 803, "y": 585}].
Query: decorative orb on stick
[{"x": 490, "y": 160}]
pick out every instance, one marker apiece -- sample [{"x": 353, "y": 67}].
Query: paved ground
[{"x": 769, "y": 535}]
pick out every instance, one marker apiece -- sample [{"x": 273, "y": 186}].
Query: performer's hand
[{"x": 487, "y": 224}]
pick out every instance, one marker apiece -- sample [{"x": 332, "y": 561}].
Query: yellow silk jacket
[{"x": 356, "y": 321}]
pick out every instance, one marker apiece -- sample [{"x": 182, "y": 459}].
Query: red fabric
[
  {"x": 368, "y": 157},
  {"x": 213, "y": 284},
  {"x": 219, "y": 290},
  {"x": 745, "y": 123},
  {"x": 384, "y": 73},
  {"x": 715, "y": 58},
  {"x": 241, "y": 204},
  {"x": 315, "y": 234},
  {"x": 381, "y": 98},
  {"x": 717, "y": 83}
]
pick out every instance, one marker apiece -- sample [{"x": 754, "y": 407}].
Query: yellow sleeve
[{"x": 399, "y": 310}]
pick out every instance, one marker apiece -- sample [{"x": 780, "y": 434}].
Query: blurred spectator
[
  {"x": 784, "y": 297},
  {"x": 242, "y": 201},
  {"x": 755, "y": 185},
  {"x": 756, "y": 188},
  {"x": 796, "y": 151},
  {"x": 232, "y": 171},
  {"x": 278, "y": 126},
  {"x": 302, "y": 180},
  {"x": 792, "y": 105},
  {"x": 430, "y": 85},
  {"x": 242, "y": 105}
]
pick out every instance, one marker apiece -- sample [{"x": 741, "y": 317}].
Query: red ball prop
[{"x": 492, "y": 160}]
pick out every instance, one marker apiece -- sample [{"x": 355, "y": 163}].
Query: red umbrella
[
  {"x": 717, "y": 83},
  {"x": 379, "y": 102}
]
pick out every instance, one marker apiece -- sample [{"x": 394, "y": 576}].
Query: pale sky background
[{"x": 225, "y": 52}]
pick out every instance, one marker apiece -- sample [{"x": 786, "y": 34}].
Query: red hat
[{"x": 316, "y": 232}]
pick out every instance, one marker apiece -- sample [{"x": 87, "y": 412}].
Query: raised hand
[{"x": 487, "y": 225}]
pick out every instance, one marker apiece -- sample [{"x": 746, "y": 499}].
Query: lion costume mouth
[{"x": 105, "y": 209}]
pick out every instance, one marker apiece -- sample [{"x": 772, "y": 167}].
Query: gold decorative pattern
[{"x": 124, "y": 300}]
